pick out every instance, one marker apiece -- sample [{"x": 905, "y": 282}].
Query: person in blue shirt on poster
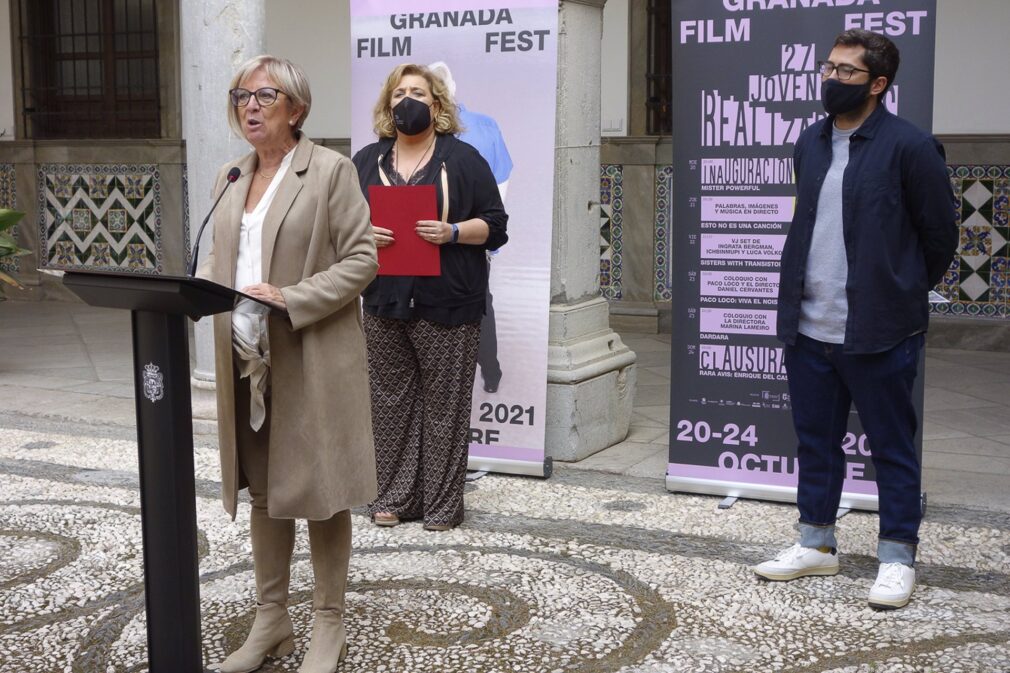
[{"x": 483, "y": 133}]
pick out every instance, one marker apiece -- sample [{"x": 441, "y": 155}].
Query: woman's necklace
[
  {"x": 423, "y": 154},
  {"x": 271, "y": 176}
]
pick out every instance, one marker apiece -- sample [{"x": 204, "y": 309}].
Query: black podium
[{"x": 159, "y": 307}]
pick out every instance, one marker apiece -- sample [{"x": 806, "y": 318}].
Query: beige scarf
[{"x": 254, "y": 364}]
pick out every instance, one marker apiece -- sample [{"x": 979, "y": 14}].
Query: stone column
[
  {"x": 217, "y": 37},
  {"x": 590, "y": 372}
]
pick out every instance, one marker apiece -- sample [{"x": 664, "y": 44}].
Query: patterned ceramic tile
[
  {"x": 7, "y": 187},
  {"x": 104, "y": 216},
  {"x": 98, "y": 186},
  {"x": 81, "y": 220},
  {"x": 976, "y": 284},
  {"x": 185, "y": 214},
  {"x": 101, "y": 253},
  {"x": 611, "y": 229},
  {"x": 117, "y": 221},
  {"x": 661, "y": 243},
  {"x": 8, "y": 200}
]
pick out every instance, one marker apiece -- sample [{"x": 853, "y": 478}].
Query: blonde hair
[
  {"x": 288, "y": 77},
  {"x": 446, "y": 119}
]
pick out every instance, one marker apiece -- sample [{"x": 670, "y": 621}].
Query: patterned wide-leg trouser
[{"x": 421, "y": 375}]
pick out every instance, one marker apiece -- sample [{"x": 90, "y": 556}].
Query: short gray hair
[{"x": 288, "y": 77}]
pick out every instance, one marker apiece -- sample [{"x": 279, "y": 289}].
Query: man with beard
[{"x": 874, "y": 229}]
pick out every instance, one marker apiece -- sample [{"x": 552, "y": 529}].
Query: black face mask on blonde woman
[{"x": 411, "y": 116}]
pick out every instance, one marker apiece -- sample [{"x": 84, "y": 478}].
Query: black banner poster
[{"x": 745, "y": 86}]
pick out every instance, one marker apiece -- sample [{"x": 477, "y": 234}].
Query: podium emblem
[{"x": 154, "y": 382}]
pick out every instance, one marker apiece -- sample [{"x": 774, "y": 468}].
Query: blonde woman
[
  {"x": 293, "y": 406},
  {"x": 423, "y": 332}
]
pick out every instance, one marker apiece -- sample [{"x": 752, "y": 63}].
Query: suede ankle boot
[
  {"x": 330, "y": 543},
  {"x": 271, "y": 635},
  {"x": 329, "y": 643}
]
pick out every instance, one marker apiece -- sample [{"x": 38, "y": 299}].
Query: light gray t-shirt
[{"x": 825, "y": 307}]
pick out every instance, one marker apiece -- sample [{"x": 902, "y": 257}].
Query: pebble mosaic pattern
[{"x": 584, "y": 572}]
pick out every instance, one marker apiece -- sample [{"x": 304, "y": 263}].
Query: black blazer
[{"x": 458, "y": 295}]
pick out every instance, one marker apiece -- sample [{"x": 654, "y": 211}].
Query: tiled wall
[
  {"x": 661, "y": 241},
  {"x": 100, "y": 216},
  {"x": 8, "y": 200},
  {"x": 108, "y": 216},
  {"x": 611, "y": 229},
  {"x": 976, "y": 285}
]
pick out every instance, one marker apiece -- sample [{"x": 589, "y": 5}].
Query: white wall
[
  {"x": 972, "y": 53},
  {"x": 316, "y": 34},
  {"x": 6, "y": 74},
  {"x": 615, "y": 87}
]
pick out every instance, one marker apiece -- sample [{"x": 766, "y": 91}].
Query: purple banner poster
[
  {"x": 501, "y": 60},
  {"x": 746, "y": 85}
]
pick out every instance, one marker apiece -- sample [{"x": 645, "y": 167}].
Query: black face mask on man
[
  {"x": 839, "y": 97},
  {"x": 411, "y": 116}
]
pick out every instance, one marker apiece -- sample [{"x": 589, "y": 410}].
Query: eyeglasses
[
  {"x": 266, "y": 96},
  {"x": 844, "y": 71}
]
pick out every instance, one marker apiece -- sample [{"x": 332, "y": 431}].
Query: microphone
[{"x": 233, "y": 175}]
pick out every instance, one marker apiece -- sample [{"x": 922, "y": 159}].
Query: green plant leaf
[
  {"x": 7, "y": 240},
  {"x": 9, "y": 247},
  {"x": 8, "y": 218}
]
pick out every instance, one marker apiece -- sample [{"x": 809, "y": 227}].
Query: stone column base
[
  {"x": 640, "y": 317},
  {"x": 591, "y": 378},
  {"x": 204, "y": 396}
]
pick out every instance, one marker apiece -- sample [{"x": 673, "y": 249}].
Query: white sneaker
[
  {"x": 796, "y": 562},
  {"x": 893, "y": 587}
]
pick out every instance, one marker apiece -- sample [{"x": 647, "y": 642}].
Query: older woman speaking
[{"x": 292, "y": 386}]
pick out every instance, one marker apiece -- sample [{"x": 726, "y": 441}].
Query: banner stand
[
  {"x": 520, "y": 467},
  {"x": 678, "y": 484},
  {"x": 499, "y": 65},
  {"x": 747, "y": 86}
]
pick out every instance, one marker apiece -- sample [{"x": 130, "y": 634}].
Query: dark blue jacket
[{"x": 898, "y": 222}]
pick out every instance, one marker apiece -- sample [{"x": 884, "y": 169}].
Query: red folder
[{"x": 399, "y": 209}]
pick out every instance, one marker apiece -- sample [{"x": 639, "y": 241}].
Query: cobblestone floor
[{"x": 586, "y": 572}]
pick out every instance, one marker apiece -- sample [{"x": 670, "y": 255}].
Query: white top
[{"x": 248, "y": 323}]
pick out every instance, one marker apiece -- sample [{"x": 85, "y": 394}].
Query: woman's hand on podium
[{"x": 267, "y": 293}]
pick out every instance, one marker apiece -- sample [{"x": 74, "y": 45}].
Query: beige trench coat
[{"x": 319, "y": 250}]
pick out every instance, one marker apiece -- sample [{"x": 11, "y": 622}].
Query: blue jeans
[{"x": 823, "y": 383}]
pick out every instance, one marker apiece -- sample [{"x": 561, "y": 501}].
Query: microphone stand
[{"x": 233, "y": 175}]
